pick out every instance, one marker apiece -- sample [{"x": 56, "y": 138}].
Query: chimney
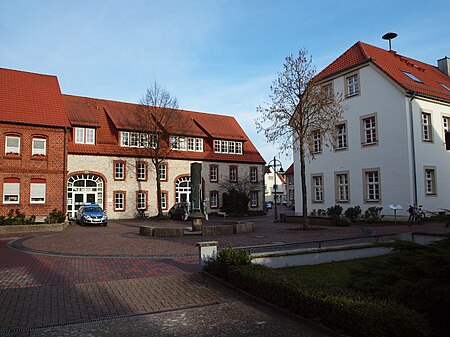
[{"x": 444, "y": 65}]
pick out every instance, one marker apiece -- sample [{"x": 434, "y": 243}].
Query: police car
[{"x": 91, "y": 214}]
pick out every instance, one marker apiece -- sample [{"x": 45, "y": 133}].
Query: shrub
[
  {"x": 235, "y": 202},
  {"x": 344, "y": 310},
  {"x": 16, "y": 217},
  {"x": 55, "y": 216},
  {"x": 334, "y": 211},
  {"x": 373, "y": 214},
  {"x": 353, "y": 213},
  {"x": 321, "y": 212},
  {"x": 228, "y": 258}
]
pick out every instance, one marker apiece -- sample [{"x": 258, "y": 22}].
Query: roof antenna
[{"x": 389, "y": 36}]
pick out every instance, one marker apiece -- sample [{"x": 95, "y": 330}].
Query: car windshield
[{"x": 93, "y": 209}]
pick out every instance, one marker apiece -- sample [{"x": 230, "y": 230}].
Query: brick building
[
  {"x": 60, "y": 151},
  {"x": 33, "y": 124}
]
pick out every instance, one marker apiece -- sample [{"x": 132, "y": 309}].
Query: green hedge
[{"x": 344, "y": 310}]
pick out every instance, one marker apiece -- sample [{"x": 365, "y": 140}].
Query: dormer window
[
  {"x": 84, "y": 136},
  {"x": 412, "y": 77},
  {"x": 186, "y": 143},
  {"x": 227, "y": 146},
  {"x": 138, "y": 139}
]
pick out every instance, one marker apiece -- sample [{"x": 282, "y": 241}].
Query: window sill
[
  {"x": 12, "y": 156},
  {"x": 338, "y": 149},
  {"x": 317, "y": 201},
  {"x": 38, "y": 157},
  {"x": 352, "y": 95},
  {"x": 369, "y": 144}
]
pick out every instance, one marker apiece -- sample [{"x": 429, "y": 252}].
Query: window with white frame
[
  {"x": 163, "y": 171},
  {"x": 342, "y": 187},
  {"x": 341, "y": 136},
  {"x": 214, "y": 199},
  {"x": 119, "y": 201},
  {"x": 119, "y": 170},
  {"x": 164, "y": 200},
  {"x": 253, "y": 199},
  {"x": 138, "y": 139},
  {"x": 233, "y": 173},
  {"x": 213, "y": 173},
  {"x": 227, "y": 146},
  {"x": 39, "y": 146},
  {"x": 317, "y": 186},
  {"x": 316, "y": 141},
  {"x": 369, "y": 125},
  {"x": 84, "y": 135},
  {"x": 352, "y": 85},
  {"x": 224, "y": 146},
  {"x": 186, "y": 143},
  {"x": 12, "y": 144},
  {"x": 141, "y": 170},
  {"x": 327, "y": 91},
  {"x": 430, "y": 181},
  {"x": 191, "y": 144},
  {"x": 11, "y": 191},
  {"x": 445, "y": 125},
  {"x": 372, "y": 185},
  {"x": 198, "y": 144},
  {"x": 253, "y": 174},
  {"x": 427, "y": 135},
  {"x": 37, "y": 192},
  {"x": 141, "y": 200}
]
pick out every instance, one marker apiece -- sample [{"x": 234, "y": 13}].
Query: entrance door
[
  {"x": 183, "y": 189},
  {"x": 83, "y": 198}
]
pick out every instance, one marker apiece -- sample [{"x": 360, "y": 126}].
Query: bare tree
[
  {"x": 302, "y": 113},
  {"x": 160, "y": 121}
]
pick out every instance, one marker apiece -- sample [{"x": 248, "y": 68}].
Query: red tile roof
[
  {"x": 290, "y": 170},
  {"x": 393, "y": 65},
  {"x": 111, "y": 116},
  {"x": 29, "y": 98}
]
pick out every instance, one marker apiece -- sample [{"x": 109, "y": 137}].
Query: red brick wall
[{"x": 25, "y": 167}]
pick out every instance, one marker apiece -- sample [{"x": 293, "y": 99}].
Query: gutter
[
  {"x": 413, "y": 146},
  {"x": 64, "y": 204}
]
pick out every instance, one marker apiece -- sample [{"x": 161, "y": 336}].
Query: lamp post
[{"x": 274, "y": 162}]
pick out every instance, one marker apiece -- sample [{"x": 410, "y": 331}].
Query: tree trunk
[
  {"x": 158, "y": 189},
  {"x": 304, "y": 195}
]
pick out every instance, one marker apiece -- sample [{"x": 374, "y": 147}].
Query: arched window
[{"x": 83, "y": 188}]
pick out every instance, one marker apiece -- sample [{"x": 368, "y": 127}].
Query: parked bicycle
[{"x": 416, "y": 215}]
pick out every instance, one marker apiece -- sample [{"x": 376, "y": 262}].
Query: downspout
[
  {"x": 64, "y": 205},
  {"x": 413, "y": 147}
]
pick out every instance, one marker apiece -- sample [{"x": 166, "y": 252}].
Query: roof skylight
[
  {"x": 411, "y": 76},
  {"x": 446, "y": 87}
]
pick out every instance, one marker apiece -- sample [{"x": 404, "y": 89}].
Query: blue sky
[{"x": 214, "y": 56}]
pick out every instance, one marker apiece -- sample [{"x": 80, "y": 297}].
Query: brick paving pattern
[{"x": 89, "y": 273}]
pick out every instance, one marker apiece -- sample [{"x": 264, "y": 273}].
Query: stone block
[
  {"x": 168, "y": 232},
  {"x": 146, "y": 230},
  {"x": 217, "y": 230},
  {"x": 243, "y": 227}
]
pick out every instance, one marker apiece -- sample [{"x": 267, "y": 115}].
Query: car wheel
[{"x": 105, "y": 224}]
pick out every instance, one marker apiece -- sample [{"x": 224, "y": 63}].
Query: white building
[
  {"x": 390, "y": 146},
  {"x": 270, "y": 180}
]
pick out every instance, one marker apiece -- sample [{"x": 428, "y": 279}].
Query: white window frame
[
  {"x": 199, "y": 144},
  {"x": 239, "y": 148},
  {"x": 164, "y": 200},
  {"x": 141, "y": 170},
  {"x": 430, "y": 181},
  {"x": 214, "y": 199},
  {"x": 90, "y": 136},
  {"x": 38, "y": 193},
  {"x": 163, "y": 171},
  {"x": 119, "y": 201},
  {"x": 253, "y": 199},
  {"x": 217, "y": 146},
  {"x": 124, "y": 138},
  {"x": 233, "y": 174},
  {"x": 317, "y": 187},
  {"x": 119, "y": 171},
  {"x": 253, "y": 174},
  {"x": 369, "y": 130},
  {"x": 341, "y": 136},
  {"x": 372, "y": 185},
  {"x": 37, "y": 151},
  {"x": 12, "y": 149},
  {"x": 11, "y": 190},
  {"x": 352, "y": 85},
  {"x": 427, "y": 127},
  {"x": 316, "y": 142},
  {"x": 141, "y": 202},
  {"x": 342, "y": 187},
  {"x": 79, "y": 135},
  {"x": 214, "y": 173}
]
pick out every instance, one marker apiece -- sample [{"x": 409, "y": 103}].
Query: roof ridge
[{"x": 27, "y": 72}]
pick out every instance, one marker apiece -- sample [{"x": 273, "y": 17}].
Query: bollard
[{"x": 207, "y": 251}]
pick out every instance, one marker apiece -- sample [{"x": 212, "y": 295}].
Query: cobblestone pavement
[{"x": 85, "y": 274}]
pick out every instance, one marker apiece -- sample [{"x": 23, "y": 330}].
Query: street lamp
[{"x": 274, "y": 162}]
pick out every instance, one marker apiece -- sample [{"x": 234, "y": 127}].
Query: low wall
[
  {"x": 313, "y": 220},
  {"x": 56, "y": 227},
  {"x": 217, "y": 230},
  {"x": 421, "y": 238},
  {"x": 318, "y": 255}
]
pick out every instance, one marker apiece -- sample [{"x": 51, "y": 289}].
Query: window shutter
[
  {"x": 37, "y": 192},
  {"x": 11, "y": 188}
]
